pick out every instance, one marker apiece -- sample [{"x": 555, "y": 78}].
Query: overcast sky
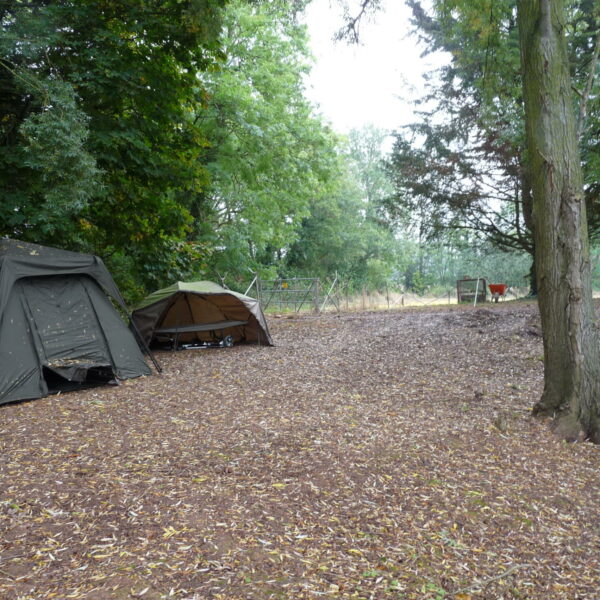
[{"x": 370, "y": 83}]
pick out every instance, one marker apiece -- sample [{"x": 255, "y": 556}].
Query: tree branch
[{"x": 351, "y": 29}]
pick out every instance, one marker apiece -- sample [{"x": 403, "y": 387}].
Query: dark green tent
[
  {"x": 58, "y": 328},
  {"x": 195, "y": 310}
]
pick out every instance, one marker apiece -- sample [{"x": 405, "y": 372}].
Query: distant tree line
[
  {"x": 173, "y": 139},
  {"x": 463, "y": 165}
]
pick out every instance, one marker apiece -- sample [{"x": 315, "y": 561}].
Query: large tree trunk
[{"x": 571, "y": 354}]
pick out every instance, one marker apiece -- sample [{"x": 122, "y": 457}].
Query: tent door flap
[{"x": 73, "y": 370}]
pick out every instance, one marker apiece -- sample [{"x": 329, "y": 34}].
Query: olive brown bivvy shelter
[
  {"x": 58, "y": 328},
  {"x": 196, "y": 311}
]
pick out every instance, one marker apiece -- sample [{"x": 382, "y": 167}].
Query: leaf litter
[{"x": 368, "y": 455}]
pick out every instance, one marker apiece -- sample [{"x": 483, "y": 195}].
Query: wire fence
[
  {"x": 296, "y": 294},
  {"x": 311, "y": 294},
  {"x": 387, "y": 299}
]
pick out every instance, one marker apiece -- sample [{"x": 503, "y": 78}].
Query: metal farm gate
[{"x": 295, "y": 293}]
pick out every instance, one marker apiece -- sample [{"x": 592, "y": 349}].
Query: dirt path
[{"x": 369, "y": 455}]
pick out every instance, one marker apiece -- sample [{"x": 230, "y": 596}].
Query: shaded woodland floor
[{"x": 368, "y": 455}]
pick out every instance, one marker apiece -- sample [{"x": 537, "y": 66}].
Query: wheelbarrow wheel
[{"x": 228, "y": 341}]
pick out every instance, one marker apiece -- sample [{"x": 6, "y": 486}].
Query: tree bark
[
  {"x": 527, "y": 201},
  {"x": 532, "y": 275},
  {"x": 571, "y": 353}
]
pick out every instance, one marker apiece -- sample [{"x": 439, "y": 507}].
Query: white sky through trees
[{"x": 373, "y": 82}]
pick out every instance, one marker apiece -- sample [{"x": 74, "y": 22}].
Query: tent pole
[
  {"x": 119, "y": 298},
  {"x": 145, "y": 346}
]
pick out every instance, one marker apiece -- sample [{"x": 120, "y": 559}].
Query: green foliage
[
  {"x": 173, "y": 138},
  {"x": 178, "y": 143},
  {"x": 344, "y": 232},
  {"x": 98, "y": 104},
  {"x": 334, "y": 236},
  {"x": 366, "y": 156},
  {"x": 462, "y": 166},
  {"x": 267, "y": 154},
  {"x": 419, "y": 282},
  {"x": 139, "y": 86},
  {"x": 436, "y": 266},
  {"x": 47, "y": 175}
]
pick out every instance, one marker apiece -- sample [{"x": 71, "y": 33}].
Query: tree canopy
[
  {"x": 100, "y": 148},
  {"x": 175, "y": 140},
  {"x": 267, "y": 154},
  {"x": 465, "y": 157}
]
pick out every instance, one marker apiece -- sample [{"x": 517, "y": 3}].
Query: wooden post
[
  {"x": 476, "y": 292},
  {"x": 250, "y": 286}
]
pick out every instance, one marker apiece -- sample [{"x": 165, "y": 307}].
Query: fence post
[
  {"x": 476, "y": 293},
  {"x": 250, "y": 286}
]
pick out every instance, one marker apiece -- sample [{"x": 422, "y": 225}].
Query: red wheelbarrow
[{"x": 498, "y": 290}]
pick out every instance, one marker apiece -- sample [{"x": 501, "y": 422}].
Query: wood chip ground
[{"x": 383, "y": 455}]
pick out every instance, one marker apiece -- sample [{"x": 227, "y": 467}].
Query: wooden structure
[{"x": 471, "y": 290}]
